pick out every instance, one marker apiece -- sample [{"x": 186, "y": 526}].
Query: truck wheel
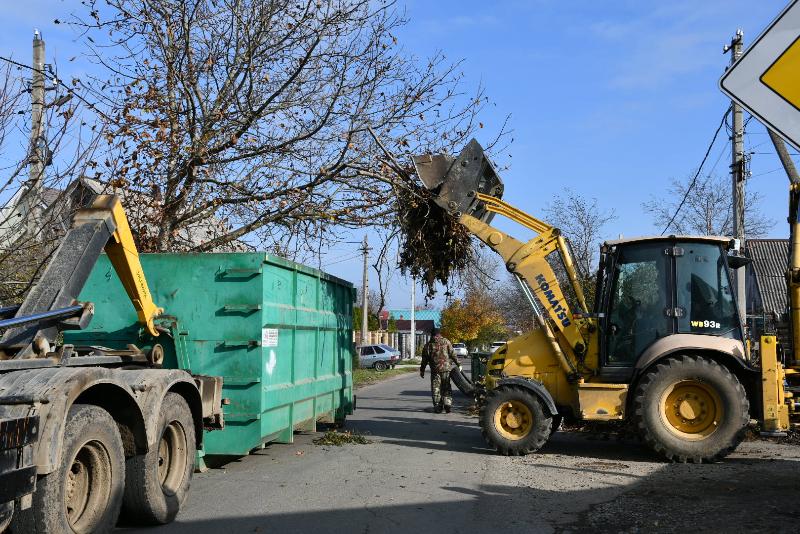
[
  {"x": 513, "y": 421},
  {"x": 380, "y": 366},
  {"x": 84, "y": 493},
  {"x": 158, "y": 482},
  {"x": 461, "y": 381},
  {"x": 691, "y": 409}
]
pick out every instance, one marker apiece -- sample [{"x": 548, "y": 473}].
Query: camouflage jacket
[{"x": 438, "y": 352}]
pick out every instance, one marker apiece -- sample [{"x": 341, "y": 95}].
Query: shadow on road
[{"x": 756, "y": 496}]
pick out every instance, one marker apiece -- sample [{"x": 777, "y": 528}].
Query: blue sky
[{"x": 610, "y": 98}]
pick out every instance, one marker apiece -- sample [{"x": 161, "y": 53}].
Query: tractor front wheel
[
  {"x": 691, "y": 409},
  {"x": 514, "y": 422}
]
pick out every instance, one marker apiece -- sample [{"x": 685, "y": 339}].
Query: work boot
[
  {"x": 447, "y": 409},
  {"x": 438, "y": 409}
]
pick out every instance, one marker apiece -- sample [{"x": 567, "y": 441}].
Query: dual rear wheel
[{"x": 94, "y": 481}]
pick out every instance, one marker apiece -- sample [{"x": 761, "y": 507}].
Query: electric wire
[
  {"x": 699, "y": 170},
  {"x": 58, "y": 81}
]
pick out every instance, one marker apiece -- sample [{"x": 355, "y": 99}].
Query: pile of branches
[{"x": 433, "y": 244}]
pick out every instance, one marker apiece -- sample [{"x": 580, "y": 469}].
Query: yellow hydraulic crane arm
[
  {"x": 529, "y": 261},
  {"x": 468, "y": 187},
  {"x": 121, "y": 250}
]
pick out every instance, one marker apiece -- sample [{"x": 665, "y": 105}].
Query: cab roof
[{"x": 721, "y": 240}]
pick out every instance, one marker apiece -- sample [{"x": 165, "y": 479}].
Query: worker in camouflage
[{"x": 437, "y": 353}]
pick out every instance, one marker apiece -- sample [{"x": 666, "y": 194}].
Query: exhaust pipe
[{"x": 455, "y": 182}]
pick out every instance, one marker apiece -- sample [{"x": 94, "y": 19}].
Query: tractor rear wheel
[
  {"x": 691, "y": 409},
  {"x": 514, "y": 422}
]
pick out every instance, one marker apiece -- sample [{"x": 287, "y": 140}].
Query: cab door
[{"x": 639, "y": 305}]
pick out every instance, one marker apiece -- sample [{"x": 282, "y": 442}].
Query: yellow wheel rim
[
  {"x": 691, "y": 410},
  {"x": 513, "y": 420}
]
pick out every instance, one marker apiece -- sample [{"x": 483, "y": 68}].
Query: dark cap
[{"x": 434, "y": 331}]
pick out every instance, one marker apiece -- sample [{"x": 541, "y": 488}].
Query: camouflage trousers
[{"x": 441, "y": 390}]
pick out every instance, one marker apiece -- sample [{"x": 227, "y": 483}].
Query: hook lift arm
[{"x": 37, "y": 322}]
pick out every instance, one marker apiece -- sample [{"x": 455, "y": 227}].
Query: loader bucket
[{"x": 455, "y": 181}]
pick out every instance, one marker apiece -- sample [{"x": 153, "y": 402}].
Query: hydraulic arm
[
  {"x": 463, "y": 186},
  {"x": 97, "y": 227}
]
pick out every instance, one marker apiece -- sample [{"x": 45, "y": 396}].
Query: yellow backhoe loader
[{"x": 664, "y": 346}]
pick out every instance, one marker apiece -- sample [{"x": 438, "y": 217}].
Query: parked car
[
  {"x": 379, "y": 357},
  {"x": 496, "y": 345},
  {"x": 460, "y": 349}
]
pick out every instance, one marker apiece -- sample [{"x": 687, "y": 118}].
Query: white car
[
  {"x": 460, "y": 349},
  {"x": 496, "y": 345},
  {"x": 379, "y": 357}
]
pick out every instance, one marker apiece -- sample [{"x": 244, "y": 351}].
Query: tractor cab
[{"x": 653, "y": 288}]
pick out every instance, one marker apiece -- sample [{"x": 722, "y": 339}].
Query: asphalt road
[{"x": 427, "y": 472}]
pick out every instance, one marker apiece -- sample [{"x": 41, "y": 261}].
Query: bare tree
[
  {"x": 514, "y": 305},
  {"x": 251, "y": 117},
  {"x": 35, "y": 211},
  {"x": 707, "y": 209},
  {"x": 582, "y": 221}
]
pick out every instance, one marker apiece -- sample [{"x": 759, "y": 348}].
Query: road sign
[{"x": 766, "y": 79}]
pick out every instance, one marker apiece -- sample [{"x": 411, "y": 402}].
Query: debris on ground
[
  {"x": 753, "y": 433},
  {"x": 603, "y": 430},
  {"x": 337, "y": 438}
]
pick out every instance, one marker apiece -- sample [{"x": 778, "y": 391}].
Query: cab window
[
  {"x": 704, "y": 292},
  {"x": 638, "y": 302}
]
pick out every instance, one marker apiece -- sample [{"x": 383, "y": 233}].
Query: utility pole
[
  {"x": 364, "y": 294},
  {"x": 413, "y": 346},
  {"x": 36, "y": 151},
  {"x": 738, "y": 176}
]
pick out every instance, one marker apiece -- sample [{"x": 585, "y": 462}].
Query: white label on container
[{"x": 269, "y": 337}]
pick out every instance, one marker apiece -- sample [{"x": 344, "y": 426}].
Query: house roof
[
  {"x": 419, "y": 315},
  {"x": 770, "y": 260}
]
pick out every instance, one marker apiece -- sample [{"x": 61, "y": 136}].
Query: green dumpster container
[{"x": 279, "y": 333}]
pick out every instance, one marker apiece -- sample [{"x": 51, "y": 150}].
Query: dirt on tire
[
  {"x": 104, "y": 469},
  {"x": 148, "y": 500},
  {"x": 540, "y": 427},
  {"x": 649, "y": 395}
]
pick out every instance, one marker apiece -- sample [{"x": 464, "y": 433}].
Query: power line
[
  {"x": 699, "y": 170},
  {"x": 767, "y": 172},
  {"x": 58, "y": 81}
]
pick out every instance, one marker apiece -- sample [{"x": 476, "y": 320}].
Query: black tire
[
  {"x": 691, "y": 409},
  {"x": 461, "y": 381},
  {"x": 532, "y": 437},
  {"x": 380, "y": 366},
  {"x": 158, "y": 482},
  {"x": 84, "y": 493}
]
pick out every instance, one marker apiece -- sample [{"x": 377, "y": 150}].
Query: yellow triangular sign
[{"x": 783, "y": 76}]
